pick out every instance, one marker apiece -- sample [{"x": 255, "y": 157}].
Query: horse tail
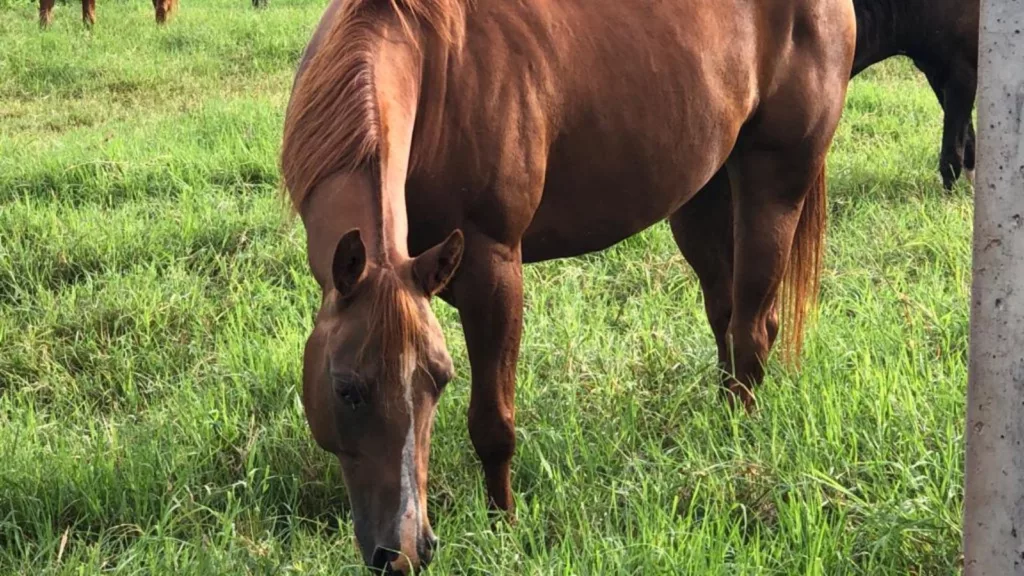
[{"x": 802, "y": 278}]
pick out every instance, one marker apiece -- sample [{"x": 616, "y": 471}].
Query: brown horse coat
[{"x": 434, "y": 146}]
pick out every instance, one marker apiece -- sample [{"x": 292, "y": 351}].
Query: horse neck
[
  {"x": 410, "y": 75},
  {"x": 372, "y": 198},
  {"x": 348, "y": 201},
  {"x": 397, "y": 65},
  {"x": 351, "y": 140}
]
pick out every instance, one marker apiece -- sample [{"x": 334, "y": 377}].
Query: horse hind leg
[
  {"x": 163, "y": 10},
  {"x": 89, "y": 12},
  {"x": 778, "y": 228},
  {"x": 45, "y": 13},
  {"x": 703, "y": 231}
]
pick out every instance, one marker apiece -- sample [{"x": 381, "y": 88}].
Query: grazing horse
[
  {"x": 163, "y": 9},
  {"x": 941, "y": 37},
  {"x": 432, "y": 147}
]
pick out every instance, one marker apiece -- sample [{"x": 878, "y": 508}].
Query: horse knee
[
  {"x": 772, "y": 326},
  {"x": 719, "y": 316},
  {"x": 493, "y": 435},
  {"x": 750, "y": 350}
]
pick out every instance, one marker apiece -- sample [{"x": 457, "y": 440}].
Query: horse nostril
[
  {"x": 430, "y": 543},
  {"x": 382, "y": 559}
]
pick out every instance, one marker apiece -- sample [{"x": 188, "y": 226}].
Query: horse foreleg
[
  {"x": 488, "y": 292},
  {"x": 936, "y": 79},
  {"x": 958, "y": 136},
  {"x": 89, "y": 12},
  {"x": 45, "y": 12},
  {"x": 957, "y": 130}
]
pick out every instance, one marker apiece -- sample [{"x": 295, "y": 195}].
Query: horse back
[{"x": 616, "y": 112}]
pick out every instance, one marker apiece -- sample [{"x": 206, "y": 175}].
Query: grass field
[{"x": 154, "y": 301}]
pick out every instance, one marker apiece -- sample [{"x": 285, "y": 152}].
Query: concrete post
[{"x": 994, "y": 476}]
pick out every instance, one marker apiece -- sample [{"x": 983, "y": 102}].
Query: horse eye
[
  {"x": 351, "y": 396},
  {"x": 442, "y": 378},
  {"x": 350, "y": 391}
]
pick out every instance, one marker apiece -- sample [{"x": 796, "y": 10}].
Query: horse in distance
[{"x": 162, "y": 9}]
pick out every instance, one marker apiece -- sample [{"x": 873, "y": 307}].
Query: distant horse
[
  {"x": 431, "y": 147},
  {"x": 941, "y": 37},
  {"x": 163, "y": 9}
]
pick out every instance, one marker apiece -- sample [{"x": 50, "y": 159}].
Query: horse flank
[{"x": 333, "y": 120}]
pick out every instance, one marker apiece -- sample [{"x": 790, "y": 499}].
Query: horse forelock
[
  {"x": 393, "y": 321},
  {"x": 333, "y": 122}
]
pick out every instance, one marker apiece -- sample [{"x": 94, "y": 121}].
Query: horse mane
[{"x": 332, "y": 123}]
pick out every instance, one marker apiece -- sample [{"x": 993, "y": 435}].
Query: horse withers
[
  {"x": 432, "y": 147},
  {"x": 941, "y": 37}
]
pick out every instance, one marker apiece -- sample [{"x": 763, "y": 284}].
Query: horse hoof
[
  {"x": 738, "y": 394},
  {"x": 498, "y": 518},
  {"x": 969, "y": 174}
]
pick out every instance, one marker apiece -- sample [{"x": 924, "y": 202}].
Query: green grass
[{"x": 154, "y": 301}]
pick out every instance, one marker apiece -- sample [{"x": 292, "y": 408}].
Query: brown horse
[
  {"x": 432, "y": 147},
  {"x": 163, "y": 9}
]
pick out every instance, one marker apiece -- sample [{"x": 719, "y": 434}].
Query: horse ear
[
  {"x": 434, "y": 268},
  {"x": 349, "y": 262}
]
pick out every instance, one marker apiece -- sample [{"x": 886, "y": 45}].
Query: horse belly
[{"x": 593, "y": 205}]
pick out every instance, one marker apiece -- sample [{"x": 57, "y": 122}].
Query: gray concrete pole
[{"x": 994, "y": 476}]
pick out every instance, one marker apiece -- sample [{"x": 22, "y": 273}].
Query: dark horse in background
[
  {"x": 162, "y": 8},
  {"x": 941, "y": 37},
  {"x": 433, "y": 147}
]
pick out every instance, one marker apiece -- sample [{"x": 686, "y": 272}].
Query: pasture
[{"x": 155, "y": 297}]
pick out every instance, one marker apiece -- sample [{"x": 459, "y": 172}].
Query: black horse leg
[
  {"x": 960, "y": 90},
  {"x": 950, "y": 163},
  {"x": 969, "y": 152}
]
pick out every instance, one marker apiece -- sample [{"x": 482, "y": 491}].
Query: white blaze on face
[{"x": 408, "y": 521}]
